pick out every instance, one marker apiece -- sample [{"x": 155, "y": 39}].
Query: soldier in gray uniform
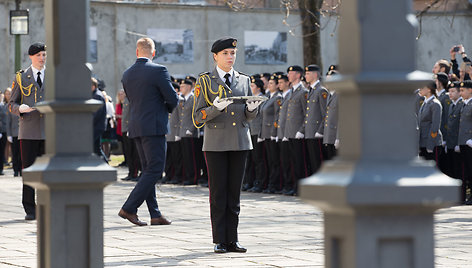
[
  {"x": 465, "y": 134},
  {"x": 269, "y": 110},
  {"x": 12, "y": 136},
  {"x": 188, "y": 132},
  {"x": 330, "y": 122},
  {"x": 315, "y": 113},
  {"x": 173, "y": 166},
  {"x": 429, "y": 122},
  {"x": 226, "y": 141},
  {"x": 294, "y": 125},
  {"x": 28, "y": 89},
  {"x": 288, "y": 182},
  {"x": 256, "y": 170}
]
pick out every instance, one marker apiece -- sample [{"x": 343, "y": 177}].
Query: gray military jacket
[
  {"x": 27, "y": 91},
  {"x": 452, "y": 125},
  {"x": 184, "y": 109},
  {"x": 174, "y": 123},
  {"x": 226, "y": 130},
  {"x": 269, "y": 112},
  {"x": 255, "y": 125},
  {"x": 429, "y": 121},
  {"x": 125, "y": 116},
  {"x": 12, "y": 124},
  {"x": 445, "y": 102},
  {"x": 330, "y": 125},
  {"x": 3, "y": 118},
  {"x": 282, "y": 115},
  {"x": 465, "y": 124},
  {"x": 315, "y": 111},
  {"x": 296, "y": 111}
]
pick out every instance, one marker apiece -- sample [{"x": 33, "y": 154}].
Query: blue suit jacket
[{"x": 151, "y": 96}]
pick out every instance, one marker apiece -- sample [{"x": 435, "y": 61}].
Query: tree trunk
[{"x": 310, "y": 17}]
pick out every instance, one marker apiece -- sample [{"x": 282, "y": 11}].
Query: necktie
[
  {"x": 40, "y": 83},
  {"x": 227, "y": 82}
]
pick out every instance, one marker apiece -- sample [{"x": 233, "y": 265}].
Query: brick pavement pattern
[{"x": 278, "y": 231}]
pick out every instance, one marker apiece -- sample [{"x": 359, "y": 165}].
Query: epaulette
[
  {"x": 244, "y": 74},
  {"x": 20, "y": 71},
  {"x": 203, "y": 73}
]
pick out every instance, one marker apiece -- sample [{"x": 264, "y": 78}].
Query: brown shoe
[
  {"x": 160, "y": 221},
  {"x": 133, "y": 218}
]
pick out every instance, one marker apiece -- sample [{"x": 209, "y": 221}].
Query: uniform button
[
  {"x": 306, "y": 114},
  {"x": 308, "y": 108},
  {"x": 306, "y": 122},
  {"x": 234, "y": 124},
  {"x": 232, "y": 113},
  {"x": 307, "y": 101}
]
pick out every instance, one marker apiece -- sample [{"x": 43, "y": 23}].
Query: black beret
[
  {"x": 295, "y": 68},
  {"x": 36, "y": 48},
  {"x": 175, "y": 85},
  {"x": 258, "y": 83},
  {"x": 283, "y": 76},
  {"x": 266, "y": 75},
  {"x": 442, "y": 77},
  {"x": 274, "y": 77},
  {"x": 193, "y": 79},
  {"x": 187, "y": 81},
  {"x": 456, "y": 84},
  {"x": 312, "y": 68},
  {"x": 467, "y": 84},
  {"x": 223, "y": 43}
]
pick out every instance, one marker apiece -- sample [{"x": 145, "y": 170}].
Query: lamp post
[{"x": 19, "y": 25}]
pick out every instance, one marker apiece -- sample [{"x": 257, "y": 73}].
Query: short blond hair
[{"x": 145, "y": 45}]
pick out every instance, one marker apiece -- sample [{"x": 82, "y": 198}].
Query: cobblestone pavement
[{"x": 279, "y": 231}]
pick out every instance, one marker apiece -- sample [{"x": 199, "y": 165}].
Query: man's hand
[
  {"x": 318, "y": 135},
  {"x": 188, "y": 132},
  {"x": 299, "y": 135},
  {"x": 177, "y": 138},
  {"x": 221, "y": 104},
  {"x": 259, "y": 140},
  {"x": 284, "y": 139},
  {"x": 336, "y": 144},
  {"x": 24, "y": 108},
  {"x": 453, "y": 53},
  {"x": 252, "y": 105},
  {"x": 457, "y": 149},
  {"x": 10, "y": 139},
  {"x": 469, "y": 143}
]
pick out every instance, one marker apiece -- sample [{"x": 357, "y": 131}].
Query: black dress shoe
[
  {"x": 220, "y": 248},
  {"x": 15, "y": 174},
  {"x": 255, "y": 189},
  {"x": 30, "y": 217},
  {"x": 245, "y": 187},
  {"x": 236, "y": 247}
]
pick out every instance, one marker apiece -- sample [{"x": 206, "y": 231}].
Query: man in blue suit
[{"x": 152, "y": 98}]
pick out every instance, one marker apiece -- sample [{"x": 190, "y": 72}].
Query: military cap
[
  {"x": 467, "y": 84},
  {"x": 283, "y": 76},
  {"x": 187, "y": 81},
  {"x": 193, "y": 79},
  {"x": 223, "y": 43},
  {"x": 456, "y": 84},
  {"x": 312, "y": 68},
  {"x": 36, "y": 48},
  {"x": 266, "y": 75},
  {"x": 278, "y": 73},
  {"x": 442, "y": 77},
  {"x": 295, "y": 68},
  {"x": 274, "y": 77},
  {"x": 258, "y": 83},
  {"x": 175, "y": 85}
]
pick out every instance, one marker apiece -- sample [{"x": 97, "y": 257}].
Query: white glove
[
  {"x": 443, "y": 143},
  {"x": 469, "y": 142},
  {"x": 10, "y": 139},
  {"x": 457, "y": 149},
  {"x": 273, "y": 138},
  {"x": 318, "y": 135},
  {"x": 188, "y": 132},
  {"x": 260, "y": 140},
  {"x": 336, "y": 143},
  {"x": 177, "y": 138},
  {"x": 284, "y": 139},
  {"x": 445, "y": 149},
  {"x": 299, "y": 135},
  {"x": 252, "y": 105},
  {"x": 221, "y": 104},
  {"x": 429, "y": 151},
  {"x": 1, "y": 135},
  {"x": 24, "y": 108},
  {"x": 276, "y": 139}
]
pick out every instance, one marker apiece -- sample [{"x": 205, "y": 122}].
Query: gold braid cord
[{"x": 24, "y": 89}]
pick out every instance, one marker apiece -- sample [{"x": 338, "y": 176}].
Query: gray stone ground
[{"x": 278, "y": 231}]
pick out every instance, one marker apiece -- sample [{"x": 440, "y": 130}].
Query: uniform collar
[
  {"x": 297, "y": 85},
  {"x": 272, "y": 93},
  {"x": 222, "y": 73},
  {"x": 188, "y": 96},
  {"x": 466, "y": 101},
  {"x": 441, "y": 92},
  {"x": 458, "y": 99},
  {"x": 284, "y": 94},
  {"x": 315, "y": 84},
  {"x": 428, "y": 99}
]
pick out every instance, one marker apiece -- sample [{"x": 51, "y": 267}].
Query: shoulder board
[
  {"x": 20, "y": 71},
  {"x": 243, "y": 74},
  {"x": 204, "y": 73}
]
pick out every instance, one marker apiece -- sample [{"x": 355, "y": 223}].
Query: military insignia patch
[
  {"x": 13, "y": 85},
  {"x": 434, "y": 134},
  {"x": 235, "y": 43},
  {"x": 325, "y": 95},
  {"x": 306, "y": 96},
  {"x": 275, "y": 124},
  {"x": 204, "y": 115},
  {"x": 462, "y": 84},
  {"x": 197, "y": 90},
  {"x": 279, "y": 102}
]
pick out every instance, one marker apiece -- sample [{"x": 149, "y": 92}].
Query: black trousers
[
  {"x": 453, "y": 167},
  {"x": 132, "y": 158},
  {"x": 288, "y": 181},
  {"x": 173, "y": 166},
  {"x": 315, "y": 154},
  {"x": 436, "y": 155},
  {"x": 330, "y": 151},
  {"x": 225, "y": 175},
  {"x": 202, "y": 173},
  {"x": 259, "y": 163},
  {"x": 273, "y": 164},
  {"x": 3, "y": 143},
  {"x": 298, "y": 159},
  {"x": 189, "y": 160},
  {"x": 30, "y": 149},
  {"x": 152, "y": 152},
  {"x": 466, "y": 168},
  {"x": 16, "y": 155}
]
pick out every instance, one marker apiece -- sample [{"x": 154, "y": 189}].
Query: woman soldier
[
  {"x": 226, "y": 140},
  {"x": 429, "y": 118}
]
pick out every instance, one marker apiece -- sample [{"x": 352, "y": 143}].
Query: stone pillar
[
  {"x": 69, "y": 178},
  {"x": 378, "y": 198}
]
